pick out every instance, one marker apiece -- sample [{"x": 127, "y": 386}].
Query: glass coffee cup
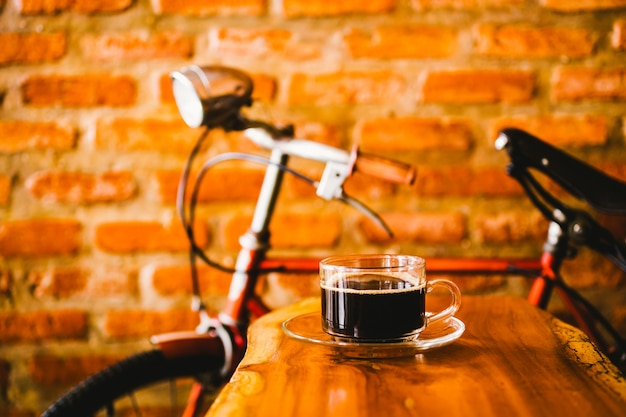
[{"x": 379, "y": 298}]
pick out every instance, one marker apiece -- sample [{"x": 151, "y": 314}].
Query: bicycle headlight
[{"x": 210, "y": 95}]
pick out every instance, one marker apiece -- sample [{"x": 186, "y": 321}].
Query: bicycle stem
[{"x": 255, "y": 242}]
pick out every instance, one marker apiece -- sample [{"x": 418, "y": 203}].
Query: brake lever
[{"x": 368, "y": 212}]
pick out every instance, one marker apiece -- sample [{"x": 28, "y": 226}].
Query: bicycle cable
[
  {"x": 225, "y": 157},
  {"x": 187, "y": 213},
  {"x": 602, "y": 242},
  {"x": 573, "y": 293}
]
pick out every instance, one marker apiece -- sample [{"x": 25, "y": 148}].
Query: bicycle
[{"x": 213, "y": 97}]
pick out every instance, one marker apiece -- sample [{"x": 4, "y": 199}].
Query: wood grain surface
[{"x": 512, "y": 360}]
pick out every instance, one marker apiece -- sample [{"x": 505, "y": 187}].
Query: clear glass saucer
[{"x": 308, "y": 328}]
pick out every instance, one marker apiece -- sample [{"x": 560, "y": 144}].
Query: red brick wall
[{"x": 92, "y": 258}]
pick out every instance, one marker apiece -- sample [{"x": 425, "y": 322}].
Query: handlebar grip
[{"x": 383, "y": 168}]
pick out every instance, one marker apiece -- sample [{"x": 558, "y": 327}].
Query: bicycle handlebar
[
  {"x": 384, "y": 168},
  {"x": 372, "y": 165},
  {"x": 213, "y": 97},
  {"x": 297, "y": 147},
  {"x": 340, "y": 165}
]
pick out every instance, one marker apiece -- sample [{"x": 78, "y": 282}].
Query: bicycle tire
[{"x": 131, "y": 374}]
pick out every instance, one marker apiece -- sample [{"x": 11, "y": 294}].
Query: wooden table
[{"x": 512, "y": 360}]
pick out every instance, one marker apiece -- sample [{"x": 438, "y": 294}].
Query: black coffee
[{"x": 371, "y": 307}]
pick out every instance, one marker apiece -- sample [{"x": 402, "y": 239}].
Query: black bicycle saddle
[{"x": 599, "y": 190}]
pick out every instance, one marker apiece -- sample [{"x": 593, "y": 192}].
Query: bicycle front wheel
[{"x": 117, "y": 390}]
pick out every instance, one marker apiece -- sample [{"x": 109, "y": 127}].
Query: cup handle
[{"x": 456, "y": 299}]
